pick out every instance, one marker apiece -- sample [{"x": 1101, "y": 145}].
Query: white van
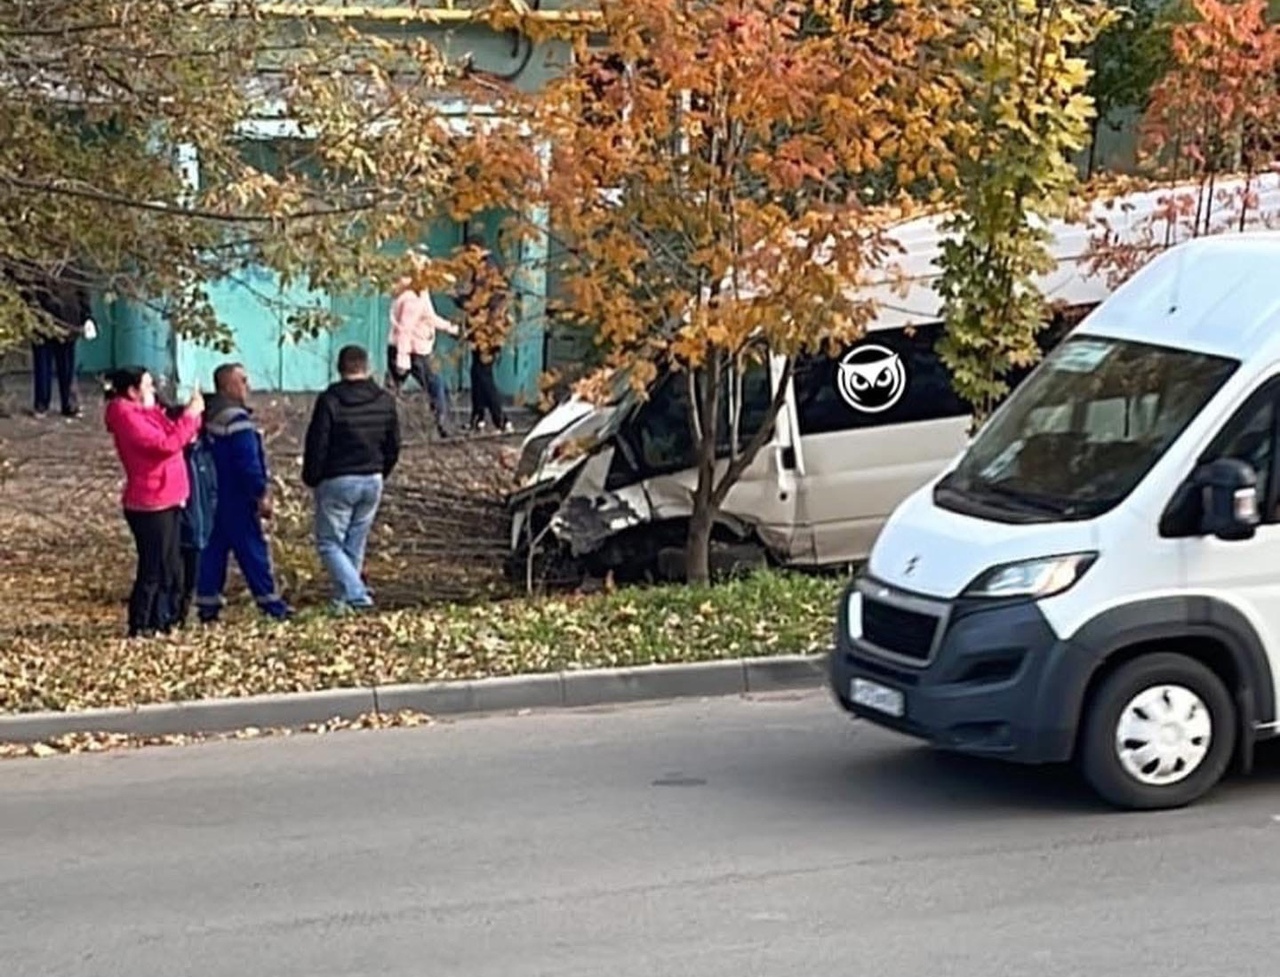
[
  {"x": 612, "y": 487},
  {"x": 1097, "y": 577}
]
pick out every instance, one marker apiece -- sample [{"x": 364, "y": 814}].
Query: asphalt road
[{"x": 710, "y": 839}]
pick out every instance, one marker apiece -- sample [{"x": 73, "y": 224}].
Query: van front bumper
[{"x": 995, "y": 681}]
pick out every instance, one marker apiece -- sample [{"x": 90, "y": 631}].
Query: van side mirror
[{"x": 1229, "y": 494}]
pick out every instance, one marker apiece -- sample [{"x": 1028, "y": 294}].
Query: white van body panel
[
  {"x": 853, "y": 479},
  {"x": 560, "y": 418},
  {"x": 1215, "y": 295}
]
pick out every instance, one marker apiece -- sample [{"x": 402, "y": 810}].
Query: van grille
[{"x": 902, "y": 632}]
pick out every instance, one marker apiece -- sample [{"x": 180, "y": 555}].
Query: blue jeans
[
  {"x": 345, "y": 508},
  {"x": 422, "y": 370}
]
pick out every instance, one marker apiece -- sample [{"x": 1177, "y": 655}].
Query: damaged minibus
[{"x": 608, "y": 488}]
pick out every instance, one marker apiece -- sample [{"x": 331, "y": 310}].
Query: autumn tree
[
  {"x": 1213, "y": 114},
  {"x": 1024, "y": 83},
  {"x": 710, "y": 200},
  {"x": 1126, "y": 60},
  {"x": 158, "y": 146}
]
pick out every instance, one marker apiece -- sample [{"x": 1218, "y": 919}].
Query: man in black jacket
[{"x": 353, "y": 444}]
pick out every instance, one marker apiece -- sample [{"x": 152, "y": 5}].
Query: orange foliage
[
  {"x": 1214, "y": 113},
  {"x": 1217, "y": 106},
  {"x": 485, "y": 301},
  {"x": 710, "y": 196},
  {"x": 708, "y": 175}
]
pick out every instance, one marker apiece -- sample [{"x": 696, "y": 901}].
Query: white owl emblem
[{"x": 871, "y": 378}]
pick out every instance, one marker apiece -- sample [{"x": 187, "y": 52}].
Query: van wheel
[{"x": 1159, "y": 733}]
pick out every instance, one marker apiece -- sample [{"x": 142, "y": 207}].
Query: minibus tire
[{"x": 1099, "y": 755}]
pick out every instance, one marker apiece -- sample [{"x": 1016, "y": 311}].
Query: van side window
[
  {"x": 1250, "y": 436},
  {"x": 661, "y": 432},
  {"x": 887, "y": 377},
  {"x": 1254, "y": 443}
]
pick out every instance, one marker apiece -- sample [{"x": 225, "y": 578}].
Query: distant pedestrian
[
  {"x": 65, "y": 303},
  {"x": 352, "y": 446},
  {"x": 150, "y": 445},
  {"x": 485, "y": 303},
  {"x": 411, "y": 344},
  {"x": 244, "y": 500}
]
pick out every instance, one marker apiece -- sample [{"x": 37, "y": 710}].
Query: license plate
[{"x": 877, "y": 697}]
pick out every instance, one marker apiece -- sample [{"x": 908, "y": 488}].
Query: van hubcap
[{"x": 1163, "y": 735}]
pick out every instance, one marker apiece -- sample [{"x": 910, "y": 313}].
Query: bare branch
[{"x": 175, "y": 210}]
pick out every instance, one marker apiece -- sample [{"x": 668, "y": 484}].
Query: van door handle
[{"x": 784, "y": 464}]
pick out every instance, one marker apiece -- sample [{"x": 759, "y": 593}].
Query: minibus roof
[
  {"x": 904, "y": 288},
  {"x": 1218, "y": 295}
]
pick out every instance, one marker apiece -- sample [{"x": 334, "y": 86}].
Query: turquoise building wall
[{"x": 255, "y": 309}]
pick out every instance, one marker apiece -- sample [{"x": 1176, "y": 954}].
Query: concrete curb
[{"x": 558, "y": 690}]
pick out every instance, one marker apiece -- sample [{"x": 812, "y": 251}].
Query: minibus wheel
[{"x": 1158, "y": 733}]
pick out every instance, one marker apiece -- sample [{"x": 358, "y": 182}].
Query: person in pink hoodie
[
  {"x": 412, "y": 340},
  {"x": 156, "y": 488}
]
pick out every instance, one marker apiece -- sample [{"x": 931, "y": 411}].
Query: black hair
[
  {"x": 120, "y": 382},
  {"x": 223, "y": 373},
  {"x": 353, "y": 360}
]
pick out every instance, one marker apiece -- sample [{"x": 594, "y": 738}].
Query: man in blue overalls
[{"x": 244, "y": 500}]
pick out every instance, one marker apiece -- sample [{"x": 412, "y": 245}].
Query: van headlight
[
  {"x": 1041, "y": 577},
  {"x": 531, "y": 456}
]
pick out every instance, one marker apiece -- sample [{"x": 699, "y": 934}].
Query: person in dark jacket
[
  {"x": 485, "y": 302},
  {"x": 196, "y": 524},
  {"x": 244, "y": 500},
  {"x": 352, "y": 446},
  {"x": 65, "y": 302}
]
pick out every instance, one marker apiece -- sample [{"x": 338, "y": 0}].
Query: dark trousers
[
  {"x": 157, "y": 536},
  {"x": 484, "y": 394},
  {"x": 50, "y": 358},
  {"x": 239, "y": 534},
  {"x": 187, "y": 590},
  {"x": 420, "y": 369}
]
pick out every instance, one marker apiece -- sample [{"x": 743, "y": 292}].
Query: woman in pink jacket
[
  {"x": 411, "y": 342},
  {"x": 156, "y": 489}
]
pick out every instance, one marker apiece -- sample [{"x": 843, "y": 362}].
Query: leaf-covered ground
[{"x": 66, "y": 562}]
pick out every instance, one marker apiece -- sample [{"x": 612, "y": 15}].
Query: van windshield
[{"x": 1082, "y": 431}]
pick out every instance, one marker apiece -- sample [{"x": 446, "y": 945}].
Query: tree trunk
[
  {"x": 1091, "y": 164},
  {"x": 705, "y": 402},
  {"x": 697, "y": 553}
]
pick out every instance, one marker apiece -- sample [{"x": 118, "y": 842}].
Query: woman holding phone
[{"x": 150, "y": 445}]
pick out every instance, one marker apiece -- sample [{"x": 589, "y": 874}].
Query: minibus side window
[
  {"x": 662, "y": 427},
  {"x": 1051, "y": 419},
  {"x": 660, "y": 435},
  {"x": 926, "y": 395}
]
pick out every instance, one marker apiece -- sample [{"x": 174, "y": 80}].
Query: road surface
[{"x": 723, "y": 838}]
